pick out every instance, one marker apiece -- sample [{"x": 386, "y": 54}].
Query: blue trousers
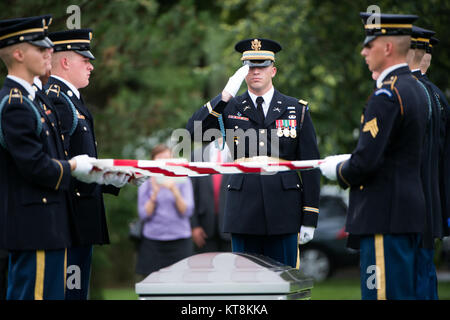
[
  {"x": 37, "y": 275},
  {"x": 79, "y": 260},
  {"x": 282, "y": 248},
  {"x": 426, "y": 282},
  {"x": 388, "y": 266}
]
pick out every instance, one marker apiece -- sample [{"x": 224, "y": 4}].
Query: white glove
[
  {"x": 328, "y": 167},
  {"x": 306, "y": 234},
  {"x": 83, "y": 166},
  {"x": 117, "y": 179},
  {"x": 235, "y": 81},
  {"x": 138, "y": 181}
]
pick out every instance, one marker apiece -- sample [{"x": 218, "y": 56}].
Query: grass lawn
[{"x": 331, "y": 289}]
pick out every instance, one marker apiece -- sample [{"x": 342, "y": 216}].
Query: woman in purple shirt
[{"x": 165, "y": 204}]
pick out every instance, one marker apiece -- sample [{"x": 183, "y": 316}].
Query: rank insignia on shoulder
[
  {"x": 383, "y": 91},
  {"x": 303, "y": 102},
  {"x": 15, "y": 93},
  {"x": 372, "y": 127}
]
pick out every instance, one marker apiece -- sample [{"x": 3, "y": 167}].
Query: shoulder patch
[
  {"x": 383, "y": 91},
  {"x": 15, "y": 93},
  {"x": 54, "y": 88}
]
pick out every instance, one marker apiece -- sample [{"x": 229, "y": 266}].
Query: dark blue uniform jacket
[{"x": 266, "y": 204}]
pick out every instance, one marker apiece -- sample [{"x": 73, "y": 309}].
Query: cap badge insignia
[{"x": 256, "y": 45}]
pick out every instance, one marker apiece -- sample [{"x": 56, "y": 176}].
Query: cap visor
[
  {"x": 258, "y": 63},
  {"x": 86, "y": 53},
  {"x": 368, "y": 39},
  {"x": 45, "y": 43}
]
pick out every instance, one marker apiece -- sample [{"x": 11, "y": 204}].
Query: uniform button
[
  {"x": 69, "y": 93},
  {"x": 262, "y": 131},
  {"x": 53, "y": 124},
  {"x": 298, "y": 186},
  {"x": 84, "y": 128},
  {"x": 261, "y": 144},
  {"x": 66, "y": 153},
  {"x": 228, "y": 186},
  {"x": 44, "y": 200},
  {"x": 62, "y": 137},
  {"x": 30, "y": 97},
  {"x": 48, "y": 133},
  {"x": 236, "y": 127},
  {"x": 361, "y": 187},
  {"x": 78, "y": 194}
]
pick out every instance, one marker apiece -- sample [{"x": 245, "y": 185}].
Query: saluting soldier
[
  {"x": 264, "y": 213},
  {"x": 71, "y": 70},
  {"x": 433, "y": 163},
  {"x": 34, "y": 180},
  {"x": 387, "y": 205}
]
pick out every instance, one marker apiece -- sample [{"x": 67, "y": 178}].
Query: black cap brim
[
  {"x": 86, "y": 53},
  {"x": 257, "y": 63},
  {"x": 368, "y": 39},
  {"x": 44, "y": 43}
]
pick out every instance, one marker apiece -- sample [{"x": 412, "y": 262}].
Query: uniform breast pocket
[
  {"x": 290, "y": 181},
  {"x": 83, "y": 127},
  {"x": 238, "y": 124},
  {"x": 235, "y": 182}
]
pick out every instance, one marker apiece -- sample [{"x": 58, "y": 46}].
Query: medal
[
  {"x": 293, "y": 133},
  {"x": 293, "y": 125},
  {"x": 279, "y": 128},
  {"x": 286, "y": 128},
  {"x": 280, "y": 132}
]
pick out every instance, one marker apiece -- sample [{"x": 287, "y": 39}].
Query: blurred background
[{"x": 159, "y": 61}]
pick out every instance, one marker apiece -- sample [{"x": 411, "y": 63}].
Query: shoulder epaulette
[
  {"x": 391, "y": 82},
  {"x": 54, "y": 88},
  {"x": 15, "y": 93},
  {"x": 57, "y": 90},
  {"x": 303, "y": 102}
]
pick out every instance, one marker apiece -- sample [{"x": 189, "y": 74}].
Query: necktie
[
  {"x": 217, "y": 179},
  {"x": 259, "y": 102}
]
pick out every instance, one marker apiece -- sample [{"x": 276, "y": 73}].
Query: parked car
[{"x": 328, "y": 251}]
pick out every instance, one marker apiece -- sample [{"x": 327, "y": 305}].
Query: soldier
[
  {"x": 433, "y": 162},
  {"x": 34, "y": 217},
  {"x": 387, "y": 205},
  {"x": 264, "y": 213},
  {"x": 71, "y": 69}
]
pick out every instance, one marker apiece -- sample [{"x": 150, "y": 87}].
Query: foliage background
[{"x": 158, "y": 61}]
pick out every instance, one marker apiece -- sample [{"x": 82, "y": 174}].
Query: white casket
[{"x": 218, "y": 275}]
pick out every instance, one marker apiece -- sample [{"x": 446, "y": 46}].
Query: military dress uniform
[
  {"x": 433, "y": 175},
  {"x": 387, "y": 204},
  {"x": 77, "y": 125},
  {"x": 34, "y": 214},
  {"x": 265, "y": 209}
]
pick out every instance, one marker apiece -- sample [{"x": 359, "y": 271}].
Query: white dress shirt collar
[
  {"x": 37, "y": 82},
  {"x": 25, "y": 84},
  {"x": 67, "y": 83},
  {"x": 387, "y": 71},
  {"x": 267, "y": 99}
]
